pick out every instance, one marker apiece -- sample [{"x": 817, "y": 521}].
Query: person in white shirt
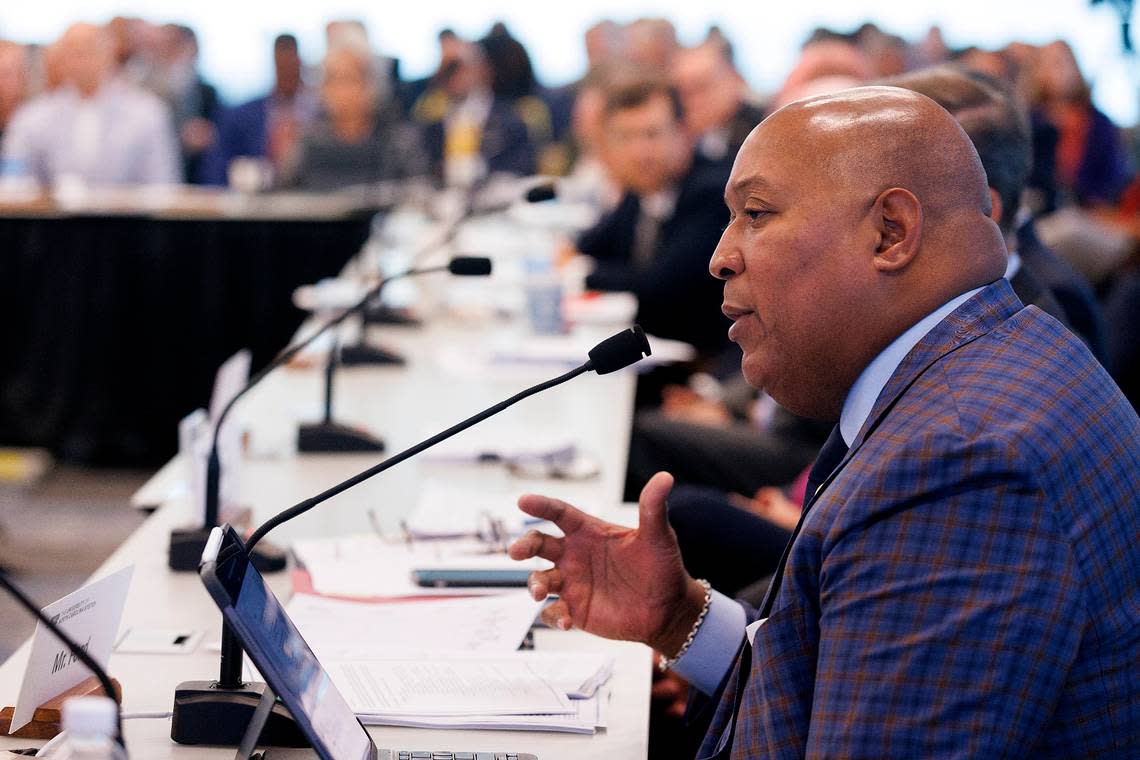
[{"x": 96, "y": 129}]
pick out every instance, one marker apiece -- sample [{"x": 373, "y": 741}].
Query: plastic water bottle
[
  {"x": 543, "y": 285},
  {"x": 90, "y": 724}
]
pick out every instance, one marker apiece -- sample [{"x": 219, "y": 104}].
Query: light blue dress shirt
[
  {"x": 122, "y": 135},
  {"x": 714, "y": 647}
]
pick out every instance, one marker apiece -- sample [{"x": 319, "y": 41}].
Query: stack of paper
[
  {"x": 452, "y": 663},
  {"x": 480, "y": 691}
]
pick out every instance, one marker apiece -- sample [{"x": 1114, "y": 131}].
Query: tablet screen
[{"x": 282, "y": 656}]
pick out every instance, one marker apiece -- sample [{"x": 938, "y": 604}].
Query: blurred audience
[
  {"x": 13, "y": 81},
  {"x": 73, "y": 109},
  {"x": 194, "y": 102},
  {"x": 450, "y": 49},
  {"x": 94, "y": 129},
  {"x": 827, "y": 63},
  {"x": 1092, "y": 165},
  {"x": 604, "y": 43},
  {"x": 651, "y": 43},
  {"x": 589, "y": 181},
  {"x": 657, "y": 242},
  {"x": 469, "y": 132},
  {"x": 354, "y": 33},
  {"x": 269, "y": 127},
  {"x": 546, "y": 113},
  {"x": 1000, "y": 132},
  {"x": 360, "y": 138},
  {"x": 714, "y": 96}
]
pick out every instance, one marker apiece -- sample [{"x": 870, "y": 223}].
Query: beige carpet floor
[{"x": 57, "y": 531}]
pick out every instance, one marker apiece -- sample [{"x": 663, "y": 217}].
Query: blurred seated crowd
[{"x": 646, "y": 137}]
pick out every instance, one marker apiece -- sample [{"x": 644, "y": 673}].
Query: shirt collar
[
  {"x": 1013, "y": 265},
  {"x": 865, "y": 392},
  {"x": 660, "y": 204}
]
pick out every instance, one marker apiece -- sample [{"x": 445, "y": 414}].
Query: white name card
[{"x": 90, "y": 616}]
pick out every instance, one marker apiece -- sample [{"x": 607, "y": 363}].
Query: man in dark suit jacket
[
  {"x": 270, "y": 126},
  {"x": 963, "y": 581},
  {"x": 656, "y": 242},
  {"x": 1073, "y": 292}
]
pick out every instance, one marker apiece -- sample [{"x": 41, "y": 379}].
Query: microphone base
[
  {"x": 362, "y": 354},
  {"x": 186, "y": 545},
  {"x": 334, "y": 438},
  {"x": 386, "y": 315},
  {"x": 205, "y": 713}
]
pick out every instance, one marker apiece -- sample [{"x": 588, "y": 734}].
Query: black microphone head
[
  {"x": 470, "y": 266},
  {"x": 620, "y": 351},
  {"x": 540, "y": 193}
]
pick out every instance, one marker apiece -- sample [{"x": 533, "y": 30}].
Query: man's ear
[
  {"x": 996, "y": 208},
  {"x": 898, "y": 215}
]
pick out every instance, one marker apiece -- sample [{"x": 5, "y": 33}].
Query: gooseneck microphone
[
  {"x": 613, "y": 353},
  {"x": 186, "y": 545},
  {"x": 229, "y": 701},
  {"x": 73, "y": 648}
]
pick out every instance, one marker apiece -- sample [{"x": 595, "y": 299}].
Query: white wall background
[{"x": 235, "y": 35}]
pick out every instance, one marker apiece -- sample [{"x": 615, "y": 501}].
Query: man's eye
[{"x": 755, "y": 213}]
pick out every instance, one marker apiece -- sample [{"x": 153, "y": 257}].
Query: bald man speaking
[{"x": 965, "y": 579}]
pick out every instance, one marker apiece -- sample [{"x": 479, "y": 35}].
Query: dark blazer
[
  {"x": 242, "y": 131},
  {"x": 742, "y": 124},
  {"x": 505, "y": 144},
  {"x": 207, "y": 105},
  {"x": 1105, "y": 168},
  {"x": 967, "y": 584},
  {"x": 1067, "y": 285},
  {"x": 677, "y": 297}
]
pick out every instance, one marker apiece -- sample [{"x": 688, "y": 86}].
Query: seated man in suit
[
  {"x": 656, "y": 242},
  {"x": 717, "y": 114},
  {"x": 271, "y": 126},
  {"x": 707, "y": 522},
  {"x": 963, "y": 579}
]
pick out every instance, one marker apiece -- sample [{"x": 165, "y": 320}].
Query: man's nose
[{"x": 725, "y": 262}]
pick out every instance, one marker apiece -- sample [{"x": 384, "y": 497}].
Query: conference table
[
  {"x": 457, "y": 363},
  {"x": 117, "y": 310}
]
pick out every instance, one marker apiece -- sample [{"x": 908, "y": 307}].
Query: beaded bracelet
[{"x": 667, "y": 662}]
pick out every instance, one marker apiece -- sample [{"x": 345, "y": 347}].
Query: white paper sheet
[
  {"x": 578, "y": 675},
  {"x": 366, "y": 566},
  {"x": 341, "y": 630},
  {"x": 433, "y": 688},
  {"x": 587, "y": 717},
  {"x": 444, "y": 511}
]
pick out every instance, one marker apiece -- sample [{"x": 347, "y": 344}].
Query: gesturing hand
[{"x": 620, "y": 583}]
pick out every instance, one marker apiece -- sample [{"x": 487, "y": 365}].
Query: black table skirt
[{"x": 114, "y": 326}]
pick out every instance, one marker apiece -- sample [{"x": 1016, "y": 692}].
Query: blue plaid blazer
[{"x": 967, "y": 584}]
